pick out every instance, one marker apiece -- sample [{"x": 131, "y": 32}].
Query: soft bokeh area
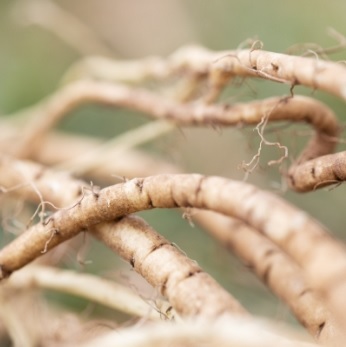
[{"x": 40, "y": 40}]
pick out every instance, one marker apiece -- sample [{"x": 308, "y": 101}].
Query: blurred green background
[{"x": 33, "y": 60}]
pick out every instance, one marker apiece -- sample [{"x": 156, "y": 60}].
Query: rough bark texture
[
  {"x": 294, "y": 109},
  {"x": 269, "y": 262},
  {"x": 191, "y": 291},
  {"x": 301, "y": 237},
  {"x": 293, "y": 254}
]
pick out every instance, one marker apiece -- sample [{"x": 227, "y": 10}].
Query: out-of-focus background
[{"x": 37, "y": 47}]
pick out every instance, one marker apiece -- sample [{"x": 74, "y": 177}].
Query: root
[
  {"x": 219, "y": 227},
  {"x": 248, "y": 204},
  {"x": 190, "y": 291},
  {"x": 250, "y": 167},
  {"x": 290, "y": 252},
  {"x": 298, "y": 109}
]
